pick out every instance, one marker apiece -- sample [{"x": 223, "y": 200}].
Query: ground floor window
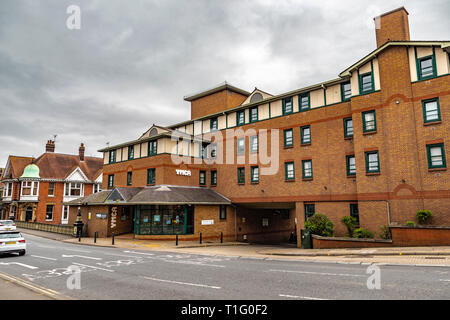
[
  {"x": 49, "y": 212},
  {"x": 164, "y": 219},
  {"x": 223, "y": 212},
  {"x": 310, "y": 209},
  {"x": 354, "y": 212}
]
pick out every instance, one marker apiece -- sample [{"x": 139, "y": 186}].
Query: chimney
[
  {"x": 81, "y": 152},
  {"x": 392, "y": 26},
  {"x": 50, "y": 146}
]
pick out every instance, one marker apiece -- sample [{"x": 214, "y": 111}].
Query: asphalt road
[{"x": 113, "y": 273}]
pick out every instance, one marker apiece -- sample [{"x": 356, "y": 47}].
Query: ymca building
[{"x": 372, "y": 143}]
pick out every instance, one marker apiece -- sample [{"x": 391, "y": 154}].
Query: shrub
[
  {"x": 410, "y": 223},
  {"x": 320, "y": 225},
  {"x": 423, "y": 216},
  {"x": 350, "y": 223},
  {"x": 363, "y": 233},
  {"x": 385, "y": 233}
]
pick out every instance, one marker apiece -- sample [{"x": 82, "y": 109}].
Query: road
[{"x": 114, "y": 273}]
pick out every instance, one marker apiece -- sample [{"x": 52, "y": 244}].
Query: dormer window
[
  {"x": 240, "y": 118},
  {"x": 29, "y": 188},
  {"x": 73, "y": 189},
  {"x": 366, "y": 83}
]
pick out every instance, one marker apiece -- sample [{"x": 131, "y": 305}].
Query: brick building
[
  {"x": 371, "y": 143},
  {"x": 35, "y": 188}
]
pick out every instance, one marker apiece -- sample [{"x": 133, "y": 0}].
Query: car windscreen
[
  {"x": 10, "y": 235},
  {"x": 7, "y": 222}
]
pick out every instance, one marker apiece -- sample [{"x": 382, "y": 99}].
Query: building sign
[
  {"x": 207, "y": 222},
  {"x": 101, "y": 215},
  {"x": 183, "y": 172},
  {"x": 113, "y": 217}
]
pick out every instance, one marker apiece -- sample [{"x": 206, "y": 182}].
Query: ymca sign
[{"x": 113, "y": 217}]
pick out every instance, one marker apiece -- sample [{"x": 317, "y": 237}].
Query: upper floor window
[
  {"x": 214, "y": 124},
  {"x": 287, "y": 105},
  {"x": 436, "y": 156},
  {"x": 240, "y": 145},
  {"x": 253, "y": 114},
  {"x": 366, "y": 83},
  {"x": 111, "y": 181},
  {"x": 307, "y": 171},
  {"x": 152, "y": 148},
  {"x": 112, "y": 156},
  {"x": 351, "y": 165},
  {"x": 346, "y": 91},
  {"x": 372, "y": 162},
  {"x": 97, "y": 187},
  {"x": 305, "y": 133},
  {"x": 202, "y": 178},
  {"x": 7, "y": 191},
  {"x": 241, "y": 175},
  {"x": 73, "y": 189},
  {"x": 289, "y": 171},
  {"x": 130, "y": 152},
  {"x": 213, "y": 177},
  {"x": 255, "y": 174},
  {"x": 129, "y": 178},
  {"x": 369, "y": 121},
  {"x": 240, "y": 117},
  {"x": 431, "y": 111},
  {"x": 288, "y": 138},
  {"x": 30, "y": 188},
  {"x": 427, "y": 68},
  {"x": 303, "y": 101},
  {"x": 51, "y": 189},
  {"x": 151, "y": 176},
  {"x": 348, "y": 127},
  {"x": 254, "y": 144}
]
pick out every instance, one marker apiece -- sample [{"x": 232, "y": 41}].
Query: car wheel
[{"x": 22, "y": 253}]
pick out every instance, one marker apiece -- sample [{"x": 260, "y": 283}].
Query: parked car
[
  {"x": 12, "y": 241},
  {"x": 7, "y": 225}
]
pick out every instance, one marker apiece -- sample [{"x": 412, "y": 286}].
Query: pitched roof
[{"x": 16, "y": 165}]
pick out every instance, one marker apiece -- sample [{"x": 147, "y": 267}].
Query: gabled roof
[
  {"x": 223, "y": 86},
  {"x": 15, "y": 166}
]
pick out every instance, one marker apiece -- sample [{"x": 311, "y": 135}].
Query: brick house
[
  {"x": 371, "y": 143},
  {"x": 35, "y": 188}
]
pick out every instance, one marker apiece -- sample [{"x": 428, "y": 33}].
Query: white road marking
[
  {"x": 320, "y": 273},
  {"x": 183, "y": 283},
  {"x": 300, "y": 297},
  {"x": 121, "y": 255},
  {"x": 75, "y": 255},
  {"x": 76, "y": 250},
  {"x": 195, "y": 263},
  {"x": 44, "y": 258},
  {"x": 93, "y": 267},
  {"x": 444, "y": 280},
  {"x": 135, "y": 252},
  {"x": 19, "y": 264}
]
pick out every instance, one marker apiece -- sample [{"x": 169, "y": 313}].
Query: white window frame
[
  {"x": 32, "y": 188},
  {"x": 53, "y": 212},
  {"x": 64, "y": 221},
  {"x": 68, "y": 189}
]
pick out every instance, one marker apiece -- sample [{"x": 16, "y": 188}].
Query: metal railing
[{"x": 62, "y": 229}]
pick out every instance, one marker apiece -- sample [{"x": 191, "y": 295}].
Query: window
[
  {"x": 307, "y": 172},
  {"x": 213, "y": 177},
  {"x": 310, "y": 210},
  {"x": 151, "y": 176},
  {"x": 346, "y": 91},
  {"x": 152, "y": 148},
  {"x": 65, "y": 215},
  {"x": 305, "y": 133},
  {"x": 431, "y": 111},
  {"x": 213, "y": 150},
  {"x": 213, "y": 124},
  {"x": 112, "y": 156},
  {"x": 426, "y": 68},
  {"x": 129, "y": 178},
  {"x": 372, "y": 162},
  {"x": 7, "y": 191},
  {"x": 240, "y": 117},
  {"x": 130, "y": 152},
  {"x": 51, "y": 189},
  {"x": 254, "y": 144},
  {"x": 351, "y": 165},
  {"x": 354, "y": 212},
  {"x": 49, "y": 212},
  {"x": 223, "y": 212},
  {"x": 287, "y": 105},
  {"x": 436, "y": 156},
  {"x": 111, "y": 181},
  {"x": 253, "y": 114},
  {"x": 240, "y": 145},
  {"x": 241, "y": 175},
  {"x": 202, "y": 178},
  {"x": 73, "y": 189},
  {"x": 288, "y": 138},
  {"x": 369, "y": 121},
  {"x": 303, "y": 102},
  {"x": 289, "y": 171},
  {"x": 30, "y": 188},
  {"x": 202, "y": 150},
  {"x": 255, "y": 174},
  {"x": 97, "y": 187},
  {"x": 348, "y": 127},
  {"x": 366, "y": 83}
]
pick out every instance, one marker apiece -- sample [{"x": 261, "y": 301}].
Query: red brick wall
[
  {"x": 402, "y": 236},
  {"x": 215, "y": 102},
  {"x": 329, "y": 243}
]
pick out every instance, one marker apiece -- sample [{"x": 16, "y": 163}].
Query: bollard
[
  {"x": 95, "y": 237},
  {"x": 200, "y": 238},
  {"x": 113, "y": 238},
  {"x": 176, "y": 240},
  {"x": 221, "y": 237}
]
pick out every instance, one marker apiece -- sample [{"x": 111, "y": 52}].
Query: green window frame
[
  {"x": 241, "y": 175},
  {"x": 240, "y": 118},
  {"x": 431, "y": 110},
  {"x": 112, "y": 156},
  {"x": 348, "y": 127},
  {"x": 214, "y": 124},
  {"x": 129, "y": 178},
  {"x": 304, "y": 102},
  {"x": 366, "y": 83},
  {"x": 240, "y": 146},
  {"x": 222, "y": 212},
  {"x": 254, "y": 174},
  {"x": 152, "y": 148},
  {"x": 354, "y": 211},
  {"x": 305, "y": 133},
  {"x": 288, "y": 106},
  {"x": 254, "y": 144},
  {"x": 151, "y": 176},
  {"x": 111, "y": 181},
  {"x": 369, "y": 121},
  {"x": 289, "y": 171},
  {"x": 346, "y": 91},
  {"x": 213, "y": 150},
  {"x": 436, "y": 156},
  {"x": 350, "y": 161},
  {"x": 310, "y": 210},
  {"x": 202, "y": 178},
  {"x": 288, "y": 135},
  {"x": 372, "y": 162},
  {"x": 130, "y": 152},
  {"x": 213, "y": 177},
  {"x": 426, "y": 67},
  {"x": 307, "y": 169},
  {"x": 253, "y": 114}
]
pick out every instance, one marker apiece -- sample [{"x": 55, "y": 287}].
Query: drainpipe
[{"x": 388, "y": 213}]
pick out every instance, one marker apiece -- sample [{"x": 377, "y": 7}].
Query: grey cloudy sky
[{"x": 132, "y": 62}]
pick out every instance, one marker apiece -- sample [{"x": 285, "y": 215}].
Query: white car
[
  {"x": 7, "y": 225},
  {"x": 12, "y": 241}
]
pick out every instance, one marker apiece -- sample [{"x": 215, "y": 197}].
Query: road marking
[
  {"x": 195, "y": 263},
  {"x": 320, "y": 273},
  {"x": 444, "y": 280},
  {"x": 19, "y": 264},
  {"x": 135, "y": 252},
  {"x": 85, "y": 265},
  {"x": 44, "y": 258},
  {"x": 76, "y": 250},
  {"x": 75, "y": 255},
  {"x": 48, "y": 292},
  {"x": 121, "y": 255},
  {"x": 300, "y": 297},
  {"x": 183, "y": 283}
]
